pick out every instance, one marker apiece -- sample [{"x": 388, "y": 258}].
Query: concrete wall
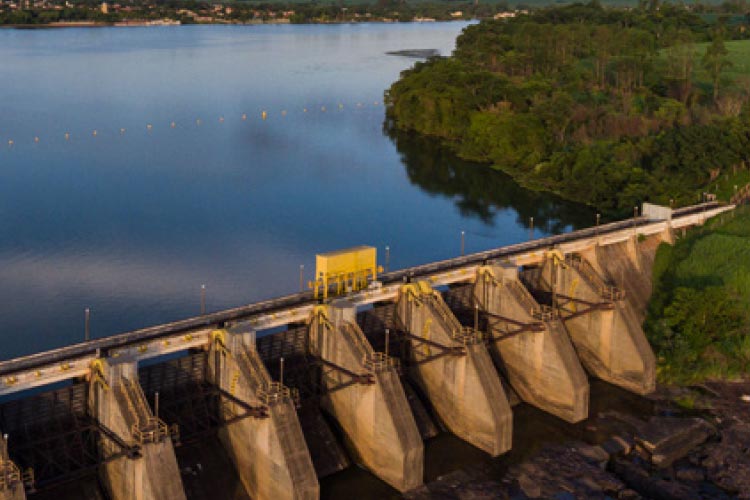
[
  {"x": 609, "y": 338},
  {"x": 376, "y": 418},
  {"x": 464, "y": 390},
  {"x": 15, "y": 492},
  {"x": 656, "y": 212},
  {"x": 540, "y": 363},
  {"x": 152, "y": 476},
  {"x": 270, "y": 454},
  {"x": 629, "y": 265},
  {"x": 11, "y": 490}
]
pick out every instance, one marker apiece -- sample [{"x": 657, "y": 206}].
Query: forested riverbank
[{"x": 607, "y": 107}]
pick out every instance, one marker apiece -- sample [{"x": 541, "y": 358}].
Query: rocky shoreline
[{"x": 696, "y": 445}]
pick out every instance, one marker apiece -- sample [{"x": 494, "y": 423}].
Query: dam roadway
[{"x": 546, "y": 313}]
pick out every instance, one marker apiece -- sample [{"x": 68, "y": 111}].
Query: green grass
[
  {"x": 736, "y": 224},
  {"x": 724, "y": 186},
  {"x": 699, "y": 315},
  {"x": 739, "y": 56},
  {"x": 717, "y": 259},
  {"x": 734, "y": 76},
  {"x": 718, "y": 254}
]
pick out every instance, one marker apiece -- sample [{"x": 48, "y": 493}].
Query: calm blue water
[{"x": 131, "y": 224}]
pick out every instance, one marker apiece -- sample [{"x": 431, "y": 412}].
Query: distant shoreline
[
  {"x": 149, "y": 24},
  {"x": 82, "y": 24},
  {"x": 54, "y": 25}
]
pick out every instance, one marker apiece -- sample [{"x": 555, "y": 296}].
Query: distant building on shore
[{"x": 509, "y": 14}]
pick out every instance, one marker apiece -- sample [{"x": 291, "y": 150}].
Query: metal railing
[
  {"x": 357, "y": 339},
  {"x": 546, "y": 313},
  {"x": 268, "y": 391},
  {"x": 468, "y": 336},
  {"x": 253, "y": 367},
  {"x": 378, "y": 362},
  {"x": 444, "y": 314},
  {"x": 523, "y": 296},
  {"x": 274, "y": 393},
  {"x": 587, "y": 271},
  {"x": 741, "y": 195},
  {"x": 459, "y": 333},
  {"x": 10, "y": 475},
  {"x": 123, "y": 387},
  {"x": 372, "y": 361},
  {"x": 152, "y": 430},
  {"x": 140, "y": 399},
  {"x": 144, "y": 427}
]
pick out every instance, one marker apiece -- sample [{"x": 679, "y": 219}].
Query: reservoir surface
[{"x": 137, "y": 164}]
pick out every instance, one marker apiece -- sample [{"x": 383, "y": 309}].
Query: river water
[{"x": 162, "y": 185}]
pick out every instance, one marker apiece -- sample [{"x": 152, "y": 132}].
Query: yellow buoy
[
  {"x": 94, "y": 133},
  {"x": 198, "y": 121},
  {"x": 67, "y": 136},
  {"x": 244, "y": 116},
  {"x": 173, "y": 124},
  {"x": 36, "y": 139},
  {"x": 341, "y": 106},
  {"x": 10, "y": 142},
  {"x": 304, "y": 110},
  {"x": 264, "y": 115}
]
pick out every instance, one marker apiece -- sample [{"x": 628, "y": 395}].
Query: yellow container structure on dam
[{"x": 345, "y": 270}]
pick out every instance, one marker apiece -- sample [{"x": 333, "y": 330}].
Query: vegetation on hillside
[
  {"x": 699, "y": 322},
  {"x": 604, "y": 106}
]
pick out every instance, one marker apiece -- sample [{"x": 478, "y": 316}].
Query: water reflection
[{"x": 481, "y": 192}]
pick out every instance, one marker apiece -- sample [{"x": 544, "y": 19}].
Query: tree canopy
[{"x": 598, "y": 104}]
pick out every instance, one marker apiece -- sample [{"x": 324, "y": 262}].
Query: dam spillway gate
[
  {"x": 296, "y": 389},
  {"x": 54, "y": 435}
]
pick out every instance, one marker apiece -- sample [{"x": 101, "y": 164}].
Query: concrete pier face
[
  {"x": 455, "y": 371},
  {"x": 607, "y": 335},
  {"x": 269, "y": 452},
  {"x": 373, "y": 413},
  {"x": 14, "y": 492},
  {"x": 540, "y": 361},
  {"x": 629, "y": 265},
  {"x": 11, "y": 481},
  {"x": 117, "y": 402}
]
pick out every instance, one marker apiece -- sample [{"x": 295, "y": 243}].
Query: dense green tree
[
  {"x": 599, "y": 105},
  {"x": 715, "y": 62}
]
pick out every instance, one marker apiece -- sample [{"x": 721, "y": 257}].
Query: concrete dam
[{"x": 362, "y": 369}]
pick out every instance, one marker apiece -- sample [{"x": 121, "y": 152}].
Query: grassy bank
[
  {"x": 736, "y": 76},
  {"x": 699, "y": 321},
  {"x": 738, "y": 55}
]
